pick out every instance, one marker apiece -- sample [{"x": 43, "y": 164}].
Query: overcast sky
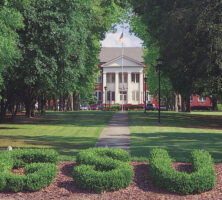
[{"x": 129, "y": 40}]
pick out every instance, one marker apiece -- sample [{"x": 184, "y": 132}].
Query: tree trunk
[
  {"x": 214, "y": 103},
  {"x": 29, "y": 106},
  {"x": 176, "y": 103},
  {"x": 3, "y": 109},
  {"x": 28, "y": 110},
  {"x": 71, "y": 101},
  {"x": 186, "y": 103},
  {"x": 55, "y": 103},
  {"x": 43, "y": 105},
  {"x": 76, "y": 99},
  {"x": 60, "y": 103}
]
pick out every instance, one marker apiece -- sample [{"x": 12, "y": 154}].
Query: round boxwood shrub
[
  {"x": 100, "y": 169},
  {"x": 39, "y": 169},
  {"x": 163, "y": 175}
]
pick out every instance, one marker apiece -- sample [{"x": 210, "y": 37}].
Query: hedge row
[
  {"x": 134, "y": 107},
  {"x": 100, "y": 169},
  {"x": 165, "y": 176},
  {"x": 39, "y": 168}
]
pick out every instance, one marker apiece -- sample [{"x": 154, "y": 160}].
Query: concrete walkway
[{"x": 116, "y": 133}]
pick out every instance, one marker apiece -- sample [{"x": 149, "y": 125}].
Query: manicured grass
[
  {"x": 66, "y": 132},
  {"x": 179, "y": 134}
]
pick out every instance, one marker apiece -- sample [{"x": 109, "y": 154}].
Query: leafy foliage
[
  {"x": 59, "y": 47},
  {"x": 40, "y": 169},
  {"x": 186, "y": 35},
  {"x": 11, "y": 20},
  {"x": 165, "y": 176},
  {"x": 100, "y": 169}
]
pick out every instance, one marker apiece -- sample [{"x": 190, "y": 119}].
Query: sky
[{"x": 129, "y": 40}]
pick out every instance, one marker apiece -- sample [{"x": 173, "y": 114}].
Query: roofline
[{"x": 122, "y": 56}]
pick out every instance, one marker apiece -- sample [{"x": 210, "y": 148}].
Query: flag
[{"x": 121, "y": 37}]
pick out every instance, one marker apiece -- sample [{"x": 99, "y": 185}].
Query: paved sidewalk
[{"x": 116, "y": 133}]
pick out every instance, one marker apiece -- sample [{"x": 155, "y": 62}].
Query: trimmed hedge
[
  {"x": 134, "y": 107},
  {"x": 112, "y": 107},
  {"x": 163, "y": 175},
  {"x": 100, "y": 169},
  {"x": 40, "y": 169}
]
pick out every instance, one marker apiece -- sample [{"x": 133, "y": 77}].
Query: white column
[
  {"x": 117, "y": 98},
  {"x": 141, "y": 87},
  {"x": 104, "y": 84},
  {"x": 129, "y": 93}
]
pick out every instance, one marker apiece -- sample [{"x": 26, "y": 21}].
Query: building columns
[
  {"x": 104, "y": 84},
  {"x": 141, "y": 88},
  {"x": 117, "y": 96},
  {"x": 129, "y": 93}
]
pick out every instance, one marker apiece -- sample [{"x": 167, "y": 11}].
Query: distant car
[
  {"x": 163, "y": 108},
  {"x": 84, "y": 107},
  {"x": 150, "y": 106}
]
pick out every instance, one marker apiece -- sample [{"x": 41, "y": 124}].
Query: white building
[{"x": 122, "y": 76}]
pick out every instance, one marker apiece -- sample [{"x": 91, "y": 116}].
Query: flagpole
[{"x": 122, "y": 71}]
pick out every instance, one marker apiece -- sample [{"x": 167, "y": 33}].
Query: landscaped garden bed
[
  {"x": 141, "y": 188},
  {"x": 39, "y": 169}
]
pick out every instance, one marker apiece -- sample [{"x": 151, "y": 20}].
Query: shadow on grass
[
  {"x": 8, "y": 128},
  {"x": 178, "y": 145},
  {"x": 173, "y": 119},
  {"x": 77, "y": 118},
  {"x": 66, "y": 146}
]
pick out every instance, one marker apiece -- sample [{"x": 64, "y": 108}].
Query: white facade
[{"x": 123, "y": 79}]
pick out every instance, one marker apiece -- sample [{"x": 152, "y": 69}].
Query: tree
[{"x": 11, "y": 20}]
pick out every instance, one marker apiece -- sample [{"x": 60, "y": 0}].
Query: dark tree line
[{"x": 186, "y": 35}]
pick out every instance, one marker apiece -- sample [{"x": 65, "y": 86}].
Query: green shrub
[
  {"x": 39, "y": 175},
  {"x": 163, "y": 175},
  {"x": 134, "y": 107},
  {"x": 40, "y": 169},
  {"x": 219, "y": 106},
  {"x": 100, "y": 169},
  {"x": 112, "y": 107}
]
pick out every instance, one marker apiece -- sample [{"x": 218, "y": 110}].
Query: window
[
  {"x": 113, "y": 96},
  {"x": 123, "y": 95},
  {"x": 108, "y": 95},
  {"x": 201, "y": 99},
  {"x": 124, "y": 77},
  {"x": 99, "y": 79},
  {"x": 148, "y": 96},
  {"x": 110, "y": 78},
  {"x": 98, "y": 95},
  {"x": 135, "y": 77},
  {"x": 191, "y": 98}
]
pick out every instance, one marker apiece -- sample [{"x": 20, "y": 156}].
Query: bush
[
  {"x": 40, "y": 169},
  {"x": 200, "y": 108},
  {"x": 219, "y": 106},
  {"x": 100, "y": 169},
  {"x": 134, "y": 107},
  {"x": 165, "y": 176},
  {"x": 112, "y": 107}
]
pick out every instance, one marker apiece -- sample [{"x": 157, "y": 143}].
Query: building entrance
[{"x": 123, "y": 97}]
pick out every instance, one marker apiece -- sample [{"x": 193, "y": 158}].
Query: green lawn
[
  {"x": 179, "y": 133},
  {"x": 66, "y": 132}
]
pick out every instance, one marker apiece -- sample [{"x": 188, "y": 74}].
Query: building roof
[{"x": 109, "y": 53}]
